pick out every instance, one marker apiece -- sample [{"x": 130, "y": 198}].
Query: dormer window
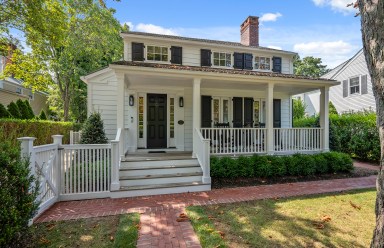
[
  {"x": 262, "y": 63},
  {"x": 222, "y": 59},
  {"x": 157, "y": 53}
]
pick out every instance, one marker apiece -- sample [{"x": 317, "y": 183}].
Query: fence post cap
[
  {"x": 114, "y": 141},
  {"x": 26, "y": 138},
  {"x": 57, "y": 136}
]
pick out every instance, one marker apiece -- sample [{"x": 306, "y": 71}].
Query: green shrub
[
  {"x": 265, "y": 166},
  {"x": 23, "y": 109},
  {"x": 353, "y": 133},
  {"x": 41, "y": 130},
  {"x": 14, "y": 110},
  {"x": 17, "y": 196},
  {"x": 42, "y": 115},
  {"x": 4, "y": 112},
  {"x": 31, "y": 115},
  {"x": 93, "y": 130}
]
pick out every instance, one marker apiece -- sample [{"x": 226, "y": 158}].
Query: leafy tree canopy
[{"x": 309, "y": 67}]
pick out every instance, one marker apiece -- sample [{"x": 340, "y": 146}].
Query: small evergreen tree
[
  {"x": 4, "y": 112},
  {"x": 332, "y": 108},
  {"x": 42, "y": 115},
  {"x": 14, "y": 110},
  {"x": 93, "y": 130},
  {"x": 298, "y": 109},
  {"x": 31, "y": 115},
  {"x": 23, "y": 109}
]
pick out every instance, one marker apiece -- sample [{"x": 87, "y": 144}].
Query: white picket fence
[{"x": 72, "y": 172}]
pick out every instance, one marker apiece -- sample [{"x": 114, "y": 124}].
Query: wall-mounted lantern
[
  {"x": 181, "y": 102},
  {"x": 131, "y": 100}
]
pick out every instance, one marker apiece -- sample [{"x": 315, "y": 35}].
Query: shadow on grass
[{"x": 292, "y": 222}]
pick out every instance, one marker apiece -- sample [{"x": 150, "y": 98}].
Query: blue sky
[{"x": 320, "y": 28}]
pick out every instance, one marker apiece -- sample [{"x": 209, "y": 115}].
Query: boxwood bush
[{"x": 265, "y": 166}]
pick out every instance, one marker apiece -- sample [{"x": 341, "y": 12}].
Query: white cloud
[
  {"x": 275, "y": 47},
  {"x": 336, "y": 5},
  {"x": 270, "y": 17},
  {"x": 332, "y": 53},
  {"x": 151, "y": 28}
]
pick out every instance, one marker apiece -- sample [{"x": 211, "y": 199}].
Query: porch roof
[{"x": 329, "y": 82}]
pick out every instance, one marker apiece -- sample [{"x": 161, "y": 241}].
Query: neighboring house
[
  {"x": 174, "y": 93},
  {"x": 11, "y": 89},
  {"x": 353, "y": 94}
]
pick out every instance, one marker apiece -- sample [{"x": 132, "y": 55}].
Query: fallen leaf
[
  {"x": 182, "y": 219},
  {"x": 50, "y": 226},
  {"x": 221, "y": 212},
  {"x": 96, "y": 226},
  {"x": 355, "y": 206},
  {"x": 270, "y": 236},
  {"x": 221, "y": 234},
  {"x": 43, "y": 240},
  {"x": 318, "y": 225},
  {"x": 111, "y": 238},
  {"x": 211, "y": 217},
  {"x": 326, "y": 218},
  {"x": 198, "y": 218}
]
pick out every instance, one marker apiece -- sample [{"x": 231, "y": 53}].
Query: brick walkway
[
  {"x": 159, "y": 227},
  {"x": 366, "y": 165}
]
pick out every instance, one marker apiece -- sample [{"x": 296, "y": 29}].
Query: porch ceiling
[{"x": 151, "y": 81}]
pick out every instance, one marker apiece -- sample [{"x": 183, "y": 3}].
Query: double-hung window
[
  {"x": 220, "y": 110},
  {"x": 157, "y": 53},
  {"x": 222, "y": 59},
  {"x": 262, "y": 63},
  {"x": 354, "y": 85}
]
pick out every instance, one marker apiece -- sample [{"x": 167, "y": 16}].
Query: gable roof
[
  {"x": 217, "y": 42},
  {"x": 336, "y": 71}
]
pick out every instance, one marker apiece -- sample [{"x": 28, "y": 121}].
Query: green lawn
[
  {"x": 332, "y": 220},
  {"x": 110, "y": 231}
]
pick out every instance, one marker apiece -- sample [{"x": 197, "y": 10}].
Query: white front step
[
  {"x": 161, "y": 179},
  {"x": 159, "y": 170},
  {"x": 154, "y": 163}
]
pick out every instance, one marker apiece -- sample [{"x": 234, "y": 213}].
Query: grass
[
  {"x": 110, "y": 231},
  {"x": 332, "y": 220}
]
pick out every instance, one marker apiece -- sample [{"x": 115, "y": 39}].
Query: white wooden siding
[
  {"x": 103, "y": 100},
  {"x": 191, "y": 53},
  {"x": 357, "y": 102}
]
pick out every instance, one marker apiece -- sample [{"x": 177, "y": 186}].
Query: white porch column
[
  {"x": 120, "y": 118},
  {"x": 324, "y": 117},
  {"x": 269, "y": 119},
  {"x": 196, "y": 113}
]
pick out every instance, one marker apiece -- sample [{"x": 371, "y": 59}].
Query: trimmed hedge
[
  {"x": 266, "y": 166},
  {"x": 40, "y": 129},
  {"x": 353, "y": 133}
]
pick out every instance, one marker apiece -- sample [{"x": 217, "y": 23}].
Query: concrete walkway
[{"x": 159, "y": 227}]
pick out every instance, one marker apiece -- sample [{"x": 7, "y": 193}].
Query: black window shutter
[
  {"x": 276, "y": 64},
  {"x": 248, "y": 112},
  {"x": 276, "y": 113},
  {"x": 137, "y": 51},
  {"x": 237, "y": 112},
  {"x": 248, "y": 57},
  {"x": 364, "y": 86},
  {"x": 238, "y": 60},
  {"x": 176, "y": 55},
  {"x": 205, "y": 57},
  {"x": 345, "y": 88},
  {"x": 206, "y": 111}
]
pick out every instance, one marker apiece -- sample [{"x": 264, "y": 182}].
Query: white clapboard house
[{"x": 175, "y": 101}]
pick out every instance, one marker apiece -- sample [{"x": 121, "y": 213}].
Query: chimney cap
[{"x": 250, "y": 20}]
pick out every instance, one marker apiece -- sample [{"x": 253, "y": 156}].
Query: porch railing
[
  {"x": 201, "y": 148},
  {"x": 297, "y": 139},
  {"x": 235, "y": 140}
]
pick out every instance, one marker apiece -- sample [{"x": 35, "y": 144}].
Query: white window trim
[
  {"x": 260, "y": 56},
  {"x": 19, "y": 89},
  {"x": 157, "y": 61},
  {"x": 219, "y": 66},
  {"x": 349, "y": 86}
]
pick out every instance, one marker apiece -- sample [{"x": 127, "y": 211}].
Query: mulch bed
[{"x": 220, "y": 183}]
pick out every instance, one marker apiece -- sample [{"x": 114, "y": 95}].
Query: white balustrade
[
  {"x": 235, "y": 140},
  {"x": 297, "y": 139},
  {"x": 201, "y": 149}
]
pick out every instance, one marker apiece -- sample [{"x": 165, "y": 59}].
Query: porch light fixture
[
  {"x": 181, "y": 102},
  {"x": 131, "y": 100}
]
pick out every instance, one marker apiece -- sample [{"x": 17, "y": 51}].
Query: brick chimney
[{"x": 249, "y": 31}]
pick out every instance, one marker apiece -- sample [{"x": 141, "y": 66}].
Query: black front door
[{"x": 157, "y": 121}]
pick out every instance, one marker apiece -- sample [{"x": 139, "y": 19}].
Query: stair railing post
[
  {"x": 58, "y": 140},
  {"x": 115, "y": 163}
]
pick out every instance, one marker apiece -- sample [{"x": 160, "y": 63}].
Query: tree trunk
[{"x": 372, "y": 28}]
